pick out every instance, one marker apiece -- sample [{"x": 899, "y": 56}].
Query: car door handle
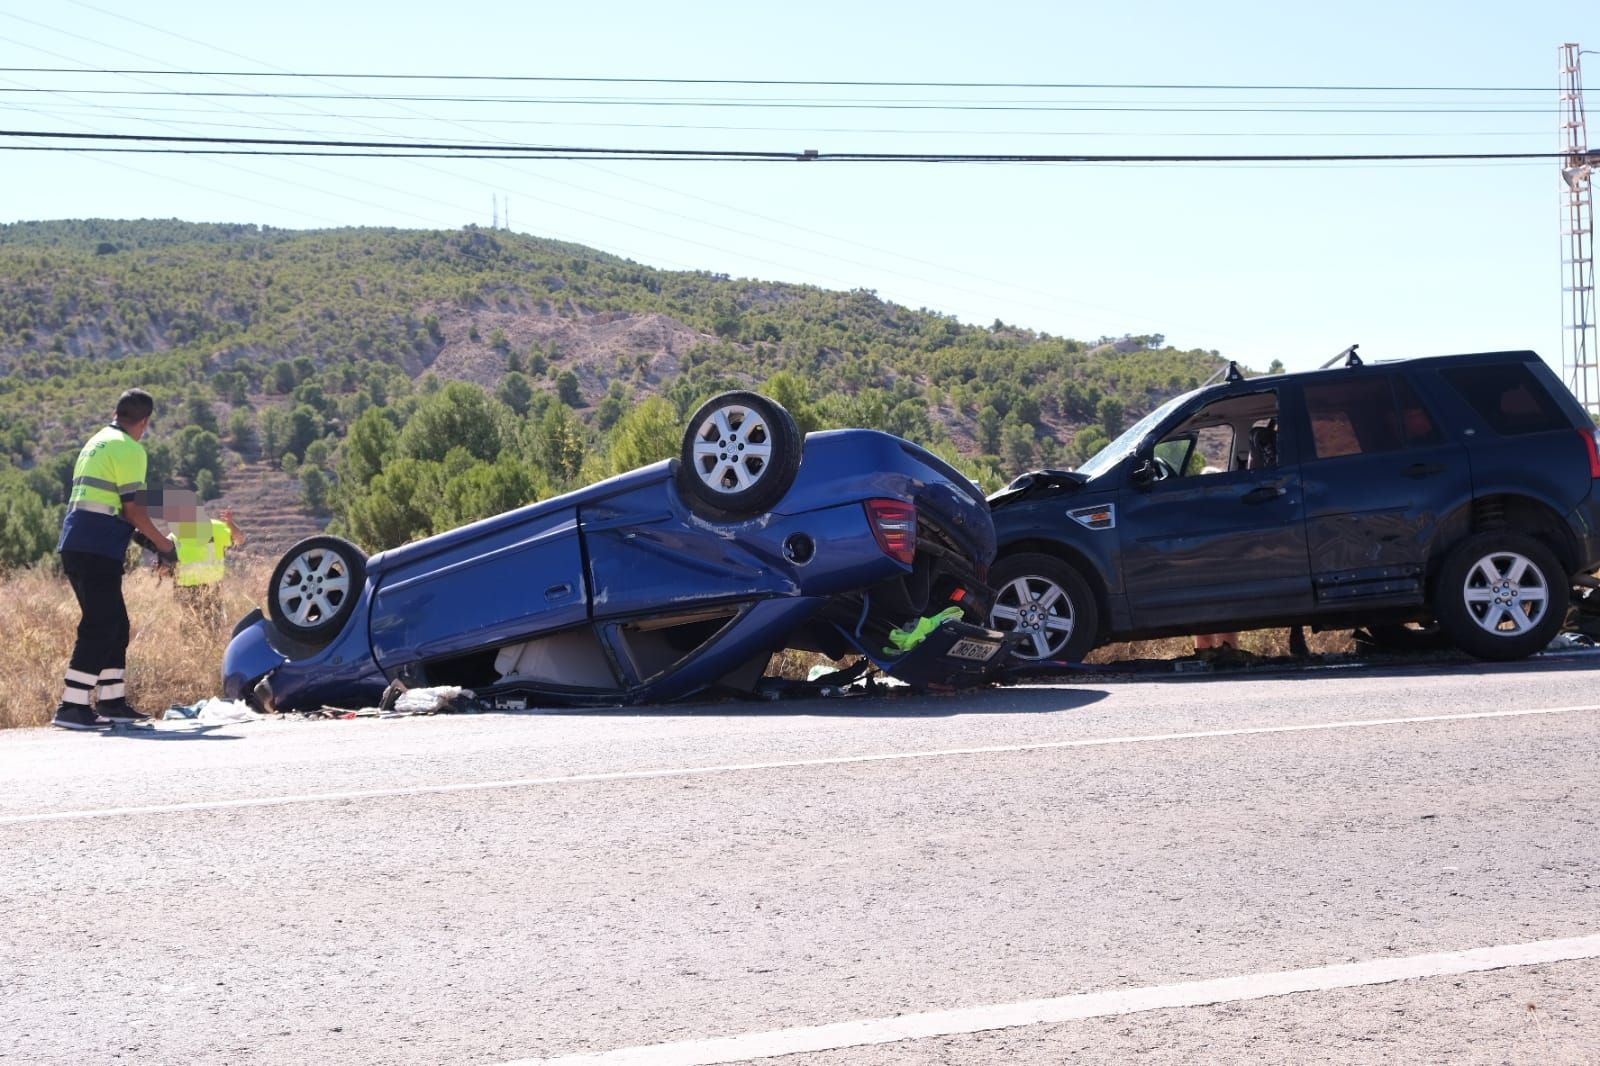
[
  {"x": 556, "y": 592},
  {"x": 1420, "y": 470},
  {"x": 1264, "y": 493}
]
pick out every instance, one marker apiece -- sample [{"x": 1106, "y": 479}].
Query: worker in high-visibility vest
[
  {"x": 202, "y": 545},
  {"x": 104, "y": 511}
]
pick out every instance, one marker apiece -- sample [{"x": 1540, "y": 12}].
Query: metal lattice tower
[{"x": 1580, "y": 356}]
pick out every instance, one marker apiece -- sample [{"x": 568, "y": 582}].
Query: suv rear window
[{"x": 1508, "y": 397}]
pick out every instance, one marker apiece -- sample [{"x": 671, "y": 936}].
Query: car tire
[
  {"x": 1501, "y": 595},
  {"x": 315, "y": 587},
  {"x": 1049, "y": 602},
  {"x": 1405, "y": 637},
  {"x": 740, "y": 454}
]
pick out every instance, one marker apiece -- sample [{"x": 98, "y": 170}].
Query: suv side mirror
[{"x": 1144, "y": 473}]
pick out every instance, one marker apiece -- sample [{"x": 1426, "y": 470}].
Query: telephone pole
[{"x": 1580, "y": 357}]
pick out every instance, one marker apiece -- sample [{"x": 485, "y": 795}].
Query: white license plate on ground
[{"x": 980, "y": 651}]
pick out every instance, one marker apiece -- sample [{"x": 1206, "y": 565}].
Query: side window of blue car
[
  {"x": 1365, "y": 415},
  {"x": 1238, "y": 432}
]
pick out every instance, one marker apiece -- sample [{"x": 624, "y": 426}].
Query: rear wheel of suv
[
  {"x": 1046, "y": 601},
  {"x": 1501, "y": 595}
]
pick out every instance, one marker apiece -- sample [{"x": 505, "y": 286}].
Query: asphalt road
[{"x": 1111, "y": 870}]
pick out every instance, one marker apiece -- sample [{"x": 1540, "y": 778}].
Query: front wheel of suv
[
  {"x": 1046, "y": 601},
  {"x": 1501, "y": 595}
]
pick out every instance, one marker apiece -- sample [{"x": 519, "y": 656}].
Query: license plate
[{"x": 977, "y": 650}]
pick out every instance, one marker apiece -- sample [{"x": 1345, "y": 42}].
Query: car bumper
[
  {"x": 299, "y": 677},
  {"x": 1584, "y": 521},
  {"x": 249, "y": 657}
]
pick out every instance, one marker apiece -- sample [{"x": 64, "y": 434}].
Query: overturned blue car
[{"x": 675, "y": 580}]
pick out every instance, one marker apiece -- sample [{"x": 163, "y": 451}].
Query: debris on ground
[
  {"x": 400, "y": 701},
  {"x": 440, "y": 699},
  {"x": 211, "y": 711}
]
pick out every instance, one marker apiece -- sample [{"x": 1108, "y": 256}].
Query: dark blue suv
[{"x": 1456, "y": 492}]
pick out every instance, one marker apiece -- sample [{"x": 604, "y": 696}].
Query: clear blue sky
[{"x": 1259, "y": 262}]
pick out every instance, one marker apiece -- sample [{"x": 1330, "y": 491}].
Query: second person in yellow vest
[{"x": 202, "y": 546}]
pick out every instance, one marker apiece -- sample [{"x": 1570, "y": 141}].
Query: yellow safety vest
[
  {"x": 201, "y": 548},
  {"x": 110, "y": 466}
]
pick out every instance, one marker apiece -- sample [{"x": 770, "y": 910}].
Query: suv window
[
  {"x": 1415, "y": 421},
  {"x": 1508, "y": 397},
  {"x": 1353, "y": 417},
  {"x": 1237, "y": 432}
]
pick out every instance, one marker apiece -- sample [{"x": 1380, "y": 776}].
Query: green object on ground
[{"x": 908, "y": 637}]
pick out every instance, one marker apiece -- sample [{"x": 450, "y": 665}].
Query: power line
[
  {"x": 446, "y": 150},
  {"x": 788, "y": 82},
  {"x": 1219, "y": 162},
  {"x": 546, "y": 175},
  {"x": 524, "y": 175},
  {"x": 127, "y": 109},
  {"x": 404, "y": 192},
  {"x": 803, "y": 105}
]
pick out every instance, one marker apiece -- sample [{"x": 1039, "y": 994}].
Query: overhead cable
[
  {"x": 792, "y": 82},
  {"x": 446, "y": 150},
  {"x": 803, "y": 105}
]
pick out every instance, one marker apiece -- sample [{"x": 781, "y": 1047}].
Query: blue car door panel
[
  {"x": 1380, "y": 476},
  {"x": 647, "y": 556},
  {"x": 1207, "y": 548},
  {"x": 1222, "y": 534},
  {"x": 522, "y": 578}
]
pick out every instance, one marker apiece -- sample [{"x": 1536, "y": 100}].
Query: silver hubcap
[
  {"x": 313, "y": 587},
  {"x": 1506, "y": 594},
  {"x": 1040, "y": 610},
  {"x": 732, "y": 449}
]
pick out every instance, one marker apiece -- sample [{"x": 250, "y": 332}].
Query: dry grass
[
  {"x": 1266, "y": 643},
  {"x": 174, "y": 657},
  {"x": 177, "y": 658}
]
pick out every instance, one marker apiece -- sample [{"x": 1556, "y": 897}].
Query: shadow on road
[
  {"x": 196, "y": 732},
  {"x": 1251, "y": 668},
  {"x": 883, "y": 702}
]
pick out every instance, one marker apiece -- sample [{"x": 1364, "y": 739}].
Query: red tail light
[
  {"x": 1591, "y": 440},
  {"x": 895, "y": 525}
]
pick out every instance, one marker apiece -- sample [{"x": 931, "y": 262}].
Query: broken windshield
[{"x": 1129, "y": 439}]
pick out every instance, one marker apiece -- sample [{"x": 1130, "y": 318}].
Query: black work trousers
[{"x": 103, "y": 630}]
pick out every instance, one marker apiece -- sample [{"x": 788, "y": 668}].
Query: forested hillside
[{"x": 407, "y": 381}]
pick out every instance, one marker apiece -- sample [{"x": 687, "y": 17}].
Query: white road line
[
  {"x": 728, "y": 768},
  {"x": 749, "y": 1046}
]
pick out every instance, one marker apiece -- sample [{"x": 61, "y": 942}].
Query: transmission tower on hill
[{"x": 1580, "y": 356}]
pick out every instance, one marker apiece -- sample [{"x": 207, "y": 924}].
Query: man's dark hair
[{"x": 134, "y": 406}]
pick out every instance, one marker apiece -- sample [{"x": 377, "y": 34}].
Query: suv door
[
  {"x": 1222, "y": 546},
  {"x": 1379, "y": 474}
]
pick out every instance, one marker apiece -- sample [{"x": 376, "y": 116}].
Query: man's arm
[
  {"x": 234, "y": 531},
  {"x": 135, "y": 513},
  {"x": 132, "y": 465}
]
